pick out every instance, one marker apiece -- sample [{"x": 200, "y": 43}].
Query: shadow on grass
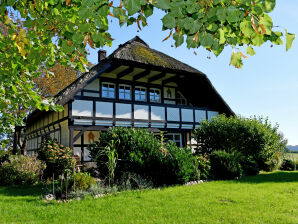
[
  {"x": 277, "y": 177},
  {"x": 22, "y": 190}
]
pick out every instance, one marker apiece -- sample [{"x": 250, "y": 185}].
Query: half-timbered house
[{"x": 135, "y": 86}]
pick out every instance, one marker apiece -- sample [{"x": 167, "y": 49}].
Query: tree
[{"x": 35, "y": 35}]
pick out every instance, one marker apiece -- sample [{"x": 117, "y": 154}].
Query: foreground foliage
[
  {"x": 35, "y": 35},
  {"x": 21, "y": 170},
  {"x": 266, "y": 198},
  {"x": 256, "y": 139},
  {"x": 121, "y": 150}
]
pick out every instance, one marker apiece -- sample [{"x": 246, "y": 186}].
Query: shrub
[
  {"x": 57, "y": 158},
  {"x": 82, "y": 181},
  {"x": 288, "y": 165},
  {"x": 254, "y": 137},
  {"x": 21, "y": 169},
  {"x": 224, "y": 165},
  {"x": 134, "y": 181},
  {"x": 140, "y": 152},
  {"x": 249, "y": 166}
]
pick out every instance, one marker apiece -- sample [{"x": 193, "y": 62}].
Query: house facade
[{"x": 135, "y": 86}]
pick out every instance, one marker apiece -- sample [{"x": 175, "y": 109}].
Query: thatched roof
[{"x": 137, "y": 52}]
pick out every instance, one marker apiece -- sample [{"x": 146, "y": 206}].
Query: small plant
[
  {"x": 225, "y": 166},
  {"x": 204, "y": 166},
  {"x": 82, "y": 181},
  {"x": 21, "y": 169},
  {"x": 57, "y": 157},
  {"x": 288, "y": 165}
]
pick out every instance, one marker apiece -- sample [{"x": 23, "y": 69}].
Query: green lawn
[{"x": 266, "y": 198}]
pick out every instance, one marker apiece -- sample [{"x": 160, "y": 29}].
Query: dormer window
[
  {"x": 181, "y": 100},
  {"x": 140, "y": 93},
  {"x": 154, "y": 95},
  {"x": 108, "y": 90},
  {"x": 124, "y": 92}
]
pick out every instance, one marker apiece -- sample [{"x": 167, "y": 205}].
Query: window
[
  {"x": 154, "y": 95},
  {"x": 124, "y": 92},
  {"x": 108, "y": 90},
  {"x": 181, "y": 100},
  {"x": 175, "y": 137},
  {"x": 140, "y": 93}
]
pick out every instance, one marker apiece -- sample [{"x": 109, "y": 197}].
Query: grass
[{"x": 266, "y": 198}]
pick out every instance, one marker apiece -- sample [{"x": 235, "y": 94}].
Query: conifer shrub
[{"x": 288, "y": 165}]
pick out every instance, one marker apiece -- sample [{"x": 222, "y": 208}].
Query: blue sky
[{"x": 267, "y": 85}]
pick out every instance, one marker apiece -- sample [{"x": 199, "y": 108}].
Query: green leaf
[
  {"x": 221, "y": 14},
  {"x": 232, "y": 14},
  {"x": 206, "y": 40},
  {"x": 163, "y": 4},
  {"x": 187, "y": 23},
  {"x": 250, "y": 51},
  {"x": 179, "y": 39},
  {"x": 84, "y": 12},
  {"x": 268, "y": 5},
  {"x": 257, "y": 39},
  {"x": 222, "y": 38},
  {"x": 148, "y": 11},
  {"x": 266, "y": 21},
  {"x": 132, "y": 6},
  {"x": 195, "y": 27},
  {"x": 169, "y": 21},
  {"x": 236, "y": 60},
  {"x": 289, "y": 40}
]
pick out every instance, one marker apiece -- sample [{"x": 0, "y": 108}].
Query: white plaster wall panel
[
  {"x": 64, "y": 133},
  {"x": 77, "y": 151},
  {"x": 82, "y": 108},
  {"x": 157, "y": 125},
  {"x": 82, "y": 122},
  {"x": 104, "y": 109},
  {"x": 94, "y": 85},
  {"x": 104, "y": 123},
  {"x": 52, "y": 135},
  {"x": 173, "y": 114},
  {"x": 79, "y": 140},
  {"x": 200, "y": 115},
  {"x": 141, "y": 124},
  {"x": 39, "y": 141},
  {"x": 123, "y": 123},
  {"x": 187, "y": 126},
  {"x": 187, "y": 115},
  {"x": 91, "y": 94},
  {"x": 212, "y": 114},
  {"x": 173, "y": 125},
  {"x": 157, "y": 113},
  {"x": 123, "y": 110},
  {"x": 141, "y": 112},
  {"x": 86, "y": 154}
]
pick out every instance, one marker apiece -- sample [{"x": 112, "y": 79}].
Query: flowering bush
[
  {"x": 203, "y": 166},
  {"x": 57, "y": 157}
]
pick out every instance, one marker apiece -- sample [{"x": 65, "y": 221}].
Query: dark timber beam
[
  {"x": 78, "y": 135},
  {"x": 125, "y": 72},
  {"x": 141, "y": 75},
  {"x": 171, "y": 79},
  {"x": 157, "y": 77}
]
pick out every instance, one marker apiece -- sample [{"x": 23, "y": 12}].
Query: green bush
[
  {"x": 140, "y": 152},
  {"x": 82, "y": 181},
  {"x": 255, "y": 138},
  {"x": 224, "y": 165},
  {"x": 249, "y": 166},
  {"x": 288, "y": 165},
  {"x": 21, "y": 169},
  {"x": 57, "y": 158}
]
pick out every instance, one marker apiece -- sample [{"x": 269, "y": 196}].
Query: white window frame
[
  {"x": 109, "y": 84},
  {"x": 142, "y": 88},
  {"x": 155, "y": 90},
  {"x": 173, "y": 138},
  {"x": 125, "y": 86}
]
